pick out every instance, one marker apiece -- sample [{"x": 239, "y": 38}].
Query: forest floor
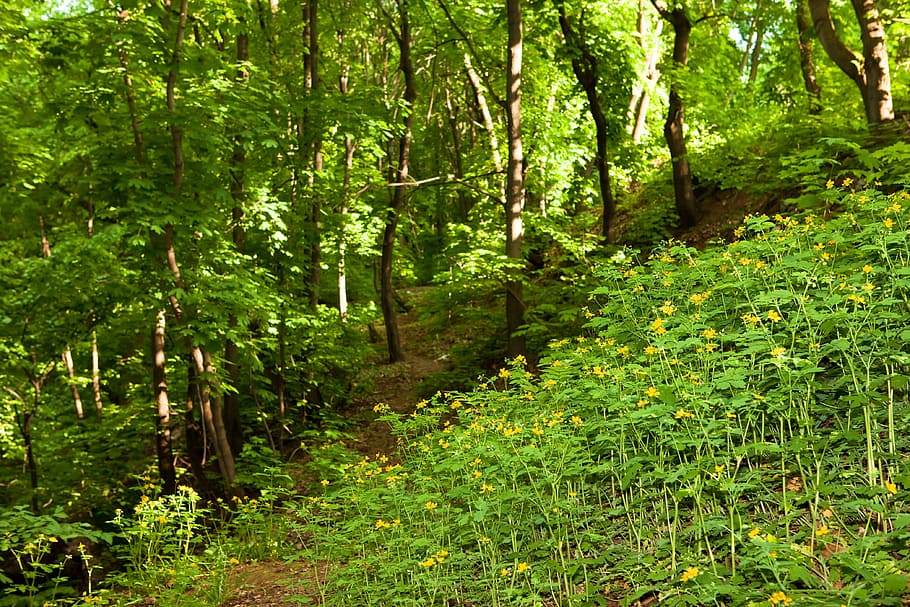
[{"x": 398, "y": 385}]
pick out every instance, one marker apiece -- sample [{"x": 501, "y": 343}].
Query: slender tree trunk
[
  {"x": 480, "y": 98},
  {"x": 238, "y": 236},
  {"x": 674, "y": 127},
  {"x": 464, "y": 200},
  {"x": 67, "y": 354},
  {"x": 74, "y": 388},
  {"x": 311, "y": 71},
  {"x": 515, "y": 187},
  {"x": 806, "y": 61},
  {"x": 584, "y": 64},
  {"x": 163, "y": 446},
  {"x": 345, "y": 197},
  {"x": 345, "y": 201},
  {"x": 193, "y": 431},
  {"x": 24, "y": 422},
  {"x": 210, "y": 403},
  {"x": 96, "y": 375},
  {"x": 755, "y": 55},
  {"x": 387, "y": 295},
  {"x": 869, "y": 70},
  {"x": 641, "y": 98},
  {"x": 30, "y": 462}
]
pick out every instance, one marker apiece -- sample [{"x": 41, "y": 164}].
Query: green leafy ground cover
[{"x": 726, "y": 431}]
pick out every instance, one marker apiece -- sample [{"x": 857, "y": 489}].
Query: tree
[
  {"x": 585, "y": 67},
  {"x": 400, "y": 174},
  {"x": 515, "y": 189},
  {"x": 806, "y": 60},
  {"x": 869, "y": 69},
  {"x": 674, "y": 127}
]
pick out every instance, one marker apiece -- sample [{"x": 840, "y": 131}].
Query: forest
[{"x": 539, "y": 303}]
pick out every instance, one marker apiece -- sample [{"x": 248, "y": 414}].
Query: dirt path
[
  {"x": 397, "y": 384},
  {"x": 276, "y": 584}
]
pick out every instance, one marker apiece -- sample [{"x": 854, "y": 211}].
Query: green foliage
[
  {"x": 37, "y": 544},
  {"x": 728, "y": 433}
]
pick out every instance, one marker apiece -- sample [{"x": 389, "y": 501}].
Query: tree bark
[
  {"x": 311, "y": 75},
  {"x": 74, "y": 388},
  {"x": 584, "y": 64},
  {"x": 209, "y": 403},
  {"x": 674, "y": 127},
  {"x": 869, "y": 70},
  {"x": 238, "y": 237},
  {"x": 163, "y": 445},
  {"x": 515, "y": 188},
  {"x": 806, "y": 61},
  {"x": 345, "y": 201},
  {"x": 396, "y": 205},
  {"x": 641, "y": 95}
]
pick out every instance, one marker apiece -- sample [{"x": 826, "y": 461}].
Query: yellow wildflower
[
  {"x": 823, "y": 530},
  {"x": 652, "y": 392},
  {"x": 755, "y": 532},
  {"x": 709, "y": 333},
  {"x": 431, "y": 505},
  {"x": 779, "y": 598},
  {"x": 522, "y": 567},
  {"x": 689, "y": 574},
  {"x": 773, "y": 316},
  {"x": 891, "y": 487}
]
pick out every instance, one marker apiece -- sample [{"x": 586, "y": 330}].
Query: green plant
[
  {"x": 726, "y": 432},
  {"x": 36, "y": 543}
]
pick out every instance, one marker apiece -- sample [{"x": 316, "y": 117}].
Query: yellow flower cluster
[{"x": 436, "y": 559}]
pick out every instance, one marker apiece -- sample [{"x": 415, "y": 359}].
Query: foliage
[
  {"x": 727, "y": 433},
  {"x": 38, "y": 545}
]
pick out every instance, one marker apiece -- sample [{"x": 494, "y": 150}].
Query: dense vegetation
[{"x": 676, "y": 235}]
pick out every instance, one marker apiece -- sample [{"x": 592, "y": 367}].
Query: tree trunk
[
  {"x": 311, "y": 74},
  {"x": 74, "y": 388},
  {"x": 484, "y": 108},
  {"x": 584, "y": 64},
  {"x": 868, "y": 71},
  {"x": 238, "y": 236},
  {"x": 515, "y": 188},
  {"x": 674, "y": 127},
  {"x": 806, "y": 62},
  {"x": 96, "y": 375},
  {"x": 396, "y": 205},
  {"x": 641, "y": 96},
  {"x": 200, "y": 358},
  {"x": 163, "y": 446},
  {"x": 345, "y": 201}
]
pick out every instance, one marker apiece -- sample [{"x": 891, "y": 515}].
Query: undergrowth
[{"x": 726, "y": 432}]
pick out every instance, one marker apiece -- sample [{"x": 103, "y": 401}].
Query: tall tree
[
  {"x": 584, "y": 65},
  {"x": 402, "y": 34},
  {"x": 515, "y": 175},
  {"x": 806, "y": 60},
  {"x": 869, "y": 70},
  {"x": 674, "y": 127}
]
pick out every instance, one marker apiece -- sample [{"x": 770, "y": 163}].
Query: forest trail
[
  {"x": 278, "y": 584},
  {"x": 397, "y": 384}
]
